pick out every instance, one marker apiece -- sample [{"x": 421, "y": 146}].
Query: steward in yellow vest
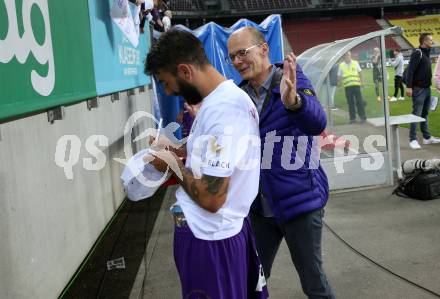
[
  {"x": 350, "y": 73},
  {"x": 350, "y": 76}
]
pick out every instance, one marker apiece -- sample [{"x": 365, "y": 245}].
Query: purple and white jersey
[{"x": 224, "y": 142}]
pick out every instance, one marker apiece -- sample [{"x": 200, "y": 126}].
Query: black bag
[{"x": 424, "y": 185}]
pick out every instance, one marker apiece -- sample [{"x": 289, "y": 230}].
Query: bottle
[{"x": 179, "y": 217}]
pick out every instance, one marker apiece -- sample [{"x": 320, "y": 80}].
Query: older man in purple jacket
[{"x": 293, "y": 186}]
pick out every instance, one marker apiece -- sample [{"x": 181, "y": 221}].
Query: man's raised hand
[{"x": 288, "y": 82}]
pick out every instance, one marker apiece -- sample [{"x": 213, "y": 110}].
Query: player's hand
[
  {"x": 165, "y": 144},
  {"x": 160, "y": 143},
  {"x": 409, "y": 92},
  {"x": 163, "y": 160},
  {"x": 288, "y": 82}
]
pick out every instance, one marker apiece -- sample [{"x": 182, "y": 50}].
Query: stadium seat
[{"x": 305, "y": 34}]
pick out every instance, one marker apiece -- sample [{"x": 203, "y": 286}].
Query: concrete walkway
[{"x": 402, "y": 235}]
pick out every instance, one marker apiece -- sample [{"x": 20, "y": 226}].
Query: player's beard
[{"x": 191, "y": 95}]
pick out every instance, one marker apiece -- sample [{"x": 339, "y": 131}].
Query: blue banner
[
  {"x": 118, "y": 64},
  {"x": 214, "y": 39}
]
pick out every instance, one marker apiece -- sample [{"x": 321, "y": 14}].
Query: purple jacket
[{"x": 291, "y": 192}]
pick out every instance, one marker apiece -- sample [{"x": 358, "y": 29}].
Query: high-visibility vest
[{"x": 350, "y": 75}]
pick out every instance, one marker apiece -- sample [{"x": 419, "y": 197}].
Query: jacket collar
[
  {"x": 273, "y": 90},
  {"x": 276, "y": 78},
  {"x": 425, "y": 50}
]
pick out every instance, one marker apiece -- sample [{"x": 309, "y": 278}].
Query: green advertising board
[
  {"x": 45, "y": 55},
  {"x": 54, "y": 53}
]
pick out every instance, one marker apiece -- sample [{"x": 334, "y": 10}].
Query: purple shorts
[{"x": 222, "y": 269}]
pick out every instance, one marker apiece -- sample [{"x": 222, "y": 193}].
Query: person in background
[
  {"x": 419, "y": 80},
  {"x": 186, "y": 117},
  {"x": 333, "y": 81},
  {"x": 397, "y": 63},
  {"x": 166, "y": 20},
  {"x": 350, "y": 76},
  {"x": 214, "y": 248},
  {"x": 158, "y": 27},
  {"x": 377, "y": 72},
  {"x": 290, "y": 204},
  {"x": 145, "y": 14},
  {"x": 139, "y": 16}
]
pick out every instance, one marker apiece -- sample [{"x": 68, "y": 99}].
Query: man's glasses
[{"x": 240, "y": 54}]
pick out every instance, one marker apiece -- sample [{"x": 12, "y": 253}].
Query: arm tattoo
[
  {"x": 194, "y": 190},
  {"x": 204, "y": 191},
  {"x": 212, "y": 184},
  {"x": 189, "y": 184}
]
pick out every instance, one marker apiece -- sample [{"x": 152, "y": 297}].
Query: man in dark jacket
[
  {"x": 418, "y": 87},
  {"x": 293, "y": 186}
]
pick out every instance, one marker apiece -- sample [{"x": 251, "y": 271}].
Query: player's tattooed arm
[{"x": 209, "y": 192}]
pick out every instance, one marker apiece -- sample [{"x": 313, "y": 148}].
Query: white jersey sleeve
[{"x": 221, "y": 147}]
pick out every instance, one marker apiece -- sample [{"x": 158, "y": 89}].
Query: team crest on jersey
[{"x": 215, "y": 147}]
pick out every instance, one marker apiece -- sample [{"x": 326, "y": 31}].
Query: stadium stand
[
  {"x": 338, "y": 19},
  {"x": 414, "y": 26},
  {"x": 362, "y": 2},
  {"x": 305, "y": 34},
  {"x": 395, "y": 15},
  {"x": 238, "y": 4},
  {"x": 402, "y": 42},
  {"x": 305, "y": 8},
  {"x": 186, "y": 5},
  {"x": 242, "y": 5}
]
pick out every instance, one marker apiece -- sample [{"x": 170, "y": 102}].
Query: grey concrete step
[{"x": 402, "y": 42}]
